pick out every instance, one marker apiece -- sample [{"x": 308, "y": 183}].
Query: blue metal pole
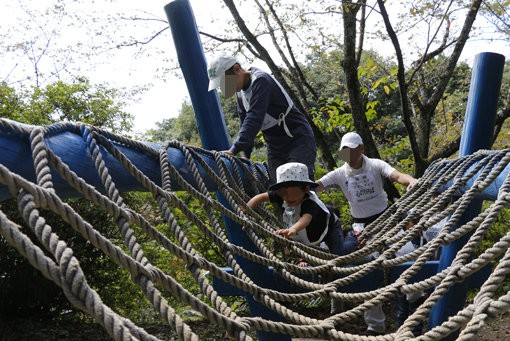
[
  {"x": 208, "y": 114},
  {"x": 214, "y": 136},
  {"x": 69, "y": 145},
  {"x": 477, "y": 133}
]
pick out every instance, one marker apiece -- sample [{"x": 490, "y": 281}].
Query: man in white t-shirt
[{"x": 361, "y": 180}]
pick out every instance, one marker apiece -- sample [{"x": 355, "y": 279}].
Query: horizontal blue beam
[
  {"x": 489, "y": 193},
  {"x": 16, "y": 155}
]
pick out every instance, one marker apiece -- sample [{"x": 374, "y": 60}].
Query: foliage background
[{"x": 322, "y": 89}]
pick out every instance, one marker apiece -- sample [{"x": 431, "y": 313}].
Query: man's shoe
[{"x": 371, "y": 332}]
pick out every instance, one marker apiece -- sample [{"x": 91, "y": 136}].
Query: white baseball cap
[
  {"x": 350, "y": 140},
  {"x": 216, "y": 70},
  {"x": 292, "y": 174}
]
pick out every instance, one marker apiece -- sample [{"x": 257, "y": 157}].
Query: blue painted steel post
[
  {"x": 214, "y": 136},
  {"x": 477, "y": 133}
]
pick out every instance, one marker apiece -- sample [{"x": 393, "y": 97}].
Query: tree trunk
[
  {"x": 425, "y": 103},
  {"x": 263, "y": 54},
  {"x": 350, "y": 66}
]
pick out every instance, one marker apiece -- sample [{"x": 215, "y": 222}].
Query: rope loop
[{"x": 189, "y": 229}]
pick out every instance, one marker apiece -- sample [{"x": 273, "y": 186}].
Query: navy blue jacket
[{"x": 267, "y": 97}]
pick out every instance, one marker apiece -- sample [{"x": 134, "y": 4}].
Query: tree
[
  {"x": 288, "y": 30},
  {"x": 182, "y": 128},
  {"x": 332, "y": 113},
  {"x": 79, "y": 101},
  {"x": 424, "y": 84},
  {"x": 419, "y": 100},
  {"x": 59, "y": 40},
  {"x": 24, "y": 291},
  {"x": 497, "y": 13},
  {"x": 286, "y": 35},
  {"x": 13, "y": 106}
]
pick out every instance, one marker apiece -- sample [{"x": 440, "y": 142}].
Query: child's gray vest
[
  {"x": 269, "y": 121},
  {"x": 292, "y": 214}
]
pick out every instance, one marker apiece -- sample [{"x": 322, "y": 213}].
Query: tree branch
[
  {"x": 301, "y": 79},
  {"x": 453, "y": 146},
  {"x": 145, "y": 42},
  {"x": 454, "y": 57},
  {"x": 222, "y": 40},
  {"x": 406, "y": 106}
]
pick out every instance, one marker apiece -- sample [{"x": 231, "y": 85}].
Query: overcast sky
[
  {"x": 123, "y": 67},
  {"x": 207, "y": 11},
  {"x": 128, "y": 67}
]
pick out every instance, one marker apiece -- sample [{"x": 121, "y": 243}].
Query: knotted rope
[{"x": 56, "y": 261}]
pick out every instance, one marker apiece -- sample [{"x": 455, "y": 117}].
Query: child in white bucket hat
[{"x": 306, "y": 217}]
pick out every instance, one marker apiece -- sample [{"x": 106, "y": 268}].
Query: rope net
[{"x": 430, "y": 199}]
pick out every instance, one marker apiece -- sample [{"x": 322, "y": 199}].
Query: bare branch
[
  {"x": 159, "y": 20},
  {"x": 454, "y": 57},
  {"x": 222, "y": 40},
  {"x": 452, "y": 147},
  {"x": 425, "y": 55},
  {"x": 300, "y": 79},
  {"x": 145, "y": 42}
]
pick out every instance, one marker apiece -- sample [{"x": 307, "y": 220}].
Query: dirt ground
[{"x": 495, "y": 330}]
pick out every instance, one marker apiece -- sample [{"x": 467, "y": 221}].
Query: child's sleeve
[
  {"x": 310, "y": 207},
  {"x": 319, "y": 221},
  {"x": 384, "y": 168}
]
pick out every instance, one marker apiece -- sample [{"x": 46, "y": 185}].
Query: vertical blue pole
[
  {"x": 477, "y": 133},
  {"x": 208, "y": 114},
  {"x": 214, "y": 136}
]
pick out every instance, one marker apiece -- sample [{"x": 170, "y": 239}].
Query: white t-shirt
[{"x": 363, "y": 187}]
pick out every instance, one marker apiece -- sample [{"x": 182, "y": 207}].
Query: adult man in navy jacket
[{"x": 263, "y": 105}]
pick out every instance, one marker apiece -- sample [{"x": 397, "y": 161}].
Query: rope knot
[
  {"x": 329, "y": 288},
  {"x": 259, "y": 293},
  {"x": 199, "y": 262},
  {"x": 399, "y": 284},
  {"x": 327, "y": 325},
  {"x": 455, "y": 272},
  {"x": 478, "y": 187},
  {"x": 504, "y": 196}
]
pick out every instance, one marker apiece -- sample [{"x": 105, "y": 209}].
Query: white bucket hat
[
  {"x": 216, "y": 71},
  {"x": 350, "y": 140},
  {"x": 292, "y": 174}
]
